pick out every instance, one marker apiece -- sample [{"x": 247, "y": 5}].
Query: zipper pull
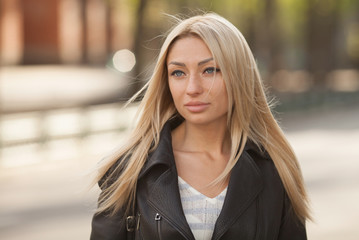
[
  {"x": 138, "y": 221},
  {"x": 158, "y": 217},
  {"x": 158, "y": 223}
]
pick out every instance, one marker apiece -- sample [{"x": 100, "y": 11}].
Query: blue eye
[
  {"x": 211, "y": 70},
  {"x": 177, "y": 73}
]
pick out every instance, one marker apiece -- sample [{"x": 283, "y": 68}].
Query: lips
[{"x": 196, "y": 106}]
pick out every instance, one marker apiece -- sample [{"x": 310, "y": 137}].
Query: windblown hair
[{"x": 249, "y": 116}]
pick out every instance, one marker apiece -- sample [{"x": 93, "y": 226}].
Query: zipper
[
  {"x": 173, "y": 224},
  {"x": 158, "y": 220}
]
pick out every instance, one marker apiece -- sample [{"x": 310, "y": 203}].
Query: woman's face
[{"x": 196, "y": 82}]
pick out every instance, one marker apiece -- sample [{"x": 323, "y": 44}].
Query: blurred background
[{"x": 67, "y": 67}]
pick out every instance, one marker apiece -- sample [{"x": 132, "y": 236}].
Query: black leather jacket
[{"x": 255, "y": 207}]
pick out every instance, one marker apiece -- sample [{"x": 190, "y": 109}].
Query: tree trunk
[
  {"x": 83, "y": 6},
  {"x": 267, "y": 44},
  {"x": 138, "y": 48},
  {"x": 109, "y": 32},
  {"x": 321, "y": 30}
]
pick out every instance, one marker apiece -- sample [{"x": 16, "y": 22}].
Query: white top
[{"x": 201, "y": 211}]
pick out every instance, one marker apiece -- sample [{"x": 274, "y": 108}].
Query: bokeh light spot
[{"x": 124, "y": 60}]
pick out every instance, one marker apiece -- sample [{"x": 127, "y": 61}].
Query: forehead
[{"x": 189, "y": 48}]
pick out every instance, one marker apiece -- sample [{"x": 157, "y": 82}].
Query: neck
[{"x": 210, "y": 138}]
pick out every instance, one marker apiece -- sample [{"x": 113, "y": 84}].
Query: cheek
[
  {"x": 219, "y": 89},
  {"x": 176, "y": 87},
  {"x": 174, "y": 91},
  {"x": 170, "y": 86},
  {"x": 222, "y": 93}
]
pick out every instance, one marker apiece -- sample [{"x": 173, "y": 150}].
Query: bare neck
[{"x": 211, "y": 138}]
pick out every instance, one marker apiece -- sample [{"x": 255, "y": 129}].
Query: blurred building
[{"x": 57, "y": 31}]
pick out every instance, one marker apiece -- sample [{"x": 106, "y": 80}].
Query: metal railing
[{"x": 42, "y": 127}]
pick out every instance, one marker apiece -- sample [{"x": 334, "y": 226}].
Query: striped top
[{"x": 201, "y": 211}]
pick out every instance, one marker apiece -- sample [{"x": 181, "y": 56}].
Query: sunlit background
[{"x": 67, "y": 67}]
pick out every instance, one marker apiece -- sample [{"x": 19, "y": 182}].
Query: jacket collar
[
  {"x": 244, "y": 185},
  {"x": 165, "y": 196},
  {"x": 163, "y": 154}
]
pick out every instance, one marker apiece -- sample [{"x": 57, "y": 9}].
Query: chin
[
  {"x": 204, "y": 118},
  {"x": 200, "y": 120},
  {"x": 192, "y": 118}
]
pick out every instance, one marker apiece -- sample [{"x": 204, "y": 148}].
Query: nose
[{"x": 194, "y": 85}]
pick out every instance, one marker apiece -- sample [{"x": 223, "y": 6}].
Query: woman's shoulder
[
  {"x": 113, "y": 172},
  {"x": 263, "y": 161},
  {"x": 258, "y": 153}
]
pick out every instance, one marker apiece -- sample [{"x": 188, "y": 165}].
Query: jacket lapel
[
  {"x": 244, "y": 185},
  {"x": 165, "y": 199},
  {"x": 164, "y": 194}
]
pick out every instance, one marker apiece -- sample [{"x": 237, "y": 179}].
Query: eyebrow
[
  {"x": 205, "y": 61},
  {"x": 183, "y": 65}
]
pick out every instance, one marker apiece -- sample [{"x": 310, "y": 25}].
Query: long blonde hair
[{"x": 249, "y": 116}]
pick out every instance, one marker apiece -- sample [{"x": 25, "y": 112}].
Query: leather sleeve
[
  {"x": 106, "y": 227},
  {"x": 291, "y": 227}
]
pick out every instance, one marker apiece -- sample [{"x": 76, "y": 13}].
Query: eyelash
[
  {"x": 213, "y": 69},
  {"x": 175, "y": 72}
]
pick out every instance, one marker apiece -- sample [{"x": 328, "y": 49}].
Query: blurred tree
[
  {"x": 322, "y": 27},
  {"x": 40, "y": 31},
  {"x": 109, "y": 34},
  {"x": 1, "y": 30},
  {"x": 96, "y": 30},
  {"x": 138, "y": 47},
  {"x": 84, "y": 45},
  {"x": 283, "y": 34},
  {"x": 292, "y": 20},
  {"x": 268, "y": 39},
  {"x": 350, "y": 29}
]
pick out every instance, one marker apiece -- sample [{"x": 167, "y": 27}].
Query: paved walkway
[{"x": 327, "y": 144}]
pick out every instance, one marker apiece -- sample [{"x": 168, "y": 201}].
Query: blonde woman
[{"x": 207, "y": 159}]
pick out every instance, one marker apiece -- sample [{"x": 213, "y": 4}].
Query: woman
[{"x": 207, "y": 160}]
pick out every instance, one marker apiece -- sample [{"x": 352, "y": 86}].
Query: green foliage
[
  {"x": 292, "y": 19},
  {"x": 277, "y": 30}
]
